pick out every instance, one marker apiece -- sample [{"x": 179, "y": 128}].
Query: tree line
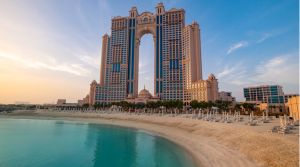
[{"x": 224, "y": 105}]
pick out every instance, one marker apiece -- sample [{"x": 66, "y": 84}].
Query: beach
[{"x": 210, "y": 143}]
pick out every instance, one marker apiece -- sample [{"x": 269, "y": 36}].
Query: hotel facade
[
  {"x": 177, "y": 59},
  {"x": 272, "y": 94}
]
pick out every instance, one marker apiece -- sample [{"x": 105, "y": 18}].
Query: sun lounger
[
  {"x": 264, "y": 121},
  {"x": 272, "y": 130},
  {"x": 284, "y": 131},
  {"x": 252, "y": 124},
  {"x": 292, "y": 127}
]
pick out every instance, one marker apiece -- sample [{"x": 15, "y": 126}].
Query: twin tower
[{"x": 177, "y": 57}]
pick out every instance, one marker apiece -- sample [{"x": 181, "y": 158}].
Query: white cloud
[
  {"x": 141, "y": 72},
  {"x": 142, "y": 64},
  {"x": 235, "y": 75},
  {"x": 76, "y": 69},
  {"x": 95, "y": 62},
  {"x": 236, "y": 46},
  {"x": 281, "y": 69},
  {"x": 278, "y": 70},
  {"x": 265, "y": 37},
  {"x": 226, "y": 71},
  {"x": 1, "y": 66}
]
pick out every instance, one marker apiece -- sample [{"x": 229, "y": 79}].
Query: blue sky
[{"x": 51, "y": 49}]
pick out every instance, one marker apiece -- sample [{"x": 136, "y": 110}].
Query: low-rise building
[
  {"x": 63, "y": 103},
  {"x": 227, "y": 96},
  {"x": 269, "y": 94}
]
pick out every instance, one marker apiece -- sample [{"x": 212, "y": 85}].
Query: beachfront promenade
[{"x": 225, "y": 139}]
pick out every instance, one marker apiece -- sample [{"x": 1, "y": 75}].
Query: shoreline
[{"x": 231, "y": 144}]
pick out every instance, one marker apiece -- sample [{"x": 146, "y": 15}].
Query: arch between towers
[{"x": 142, "y": 30}]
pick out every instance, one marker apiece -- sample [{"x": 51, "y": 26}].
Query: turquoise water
[{"x": 50, "y": 143}]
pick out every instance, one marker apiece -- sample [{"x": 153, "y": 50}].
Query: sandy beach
[{"x": 210, "y": 143}]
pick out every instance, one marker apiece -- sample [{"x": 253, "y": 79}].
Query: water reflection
[
  {"x": 58, "y": 128},
  {"x": 114, "y": 146},
  {"x": 57, "y": 143},
  {"x": 117, "y": 146}
]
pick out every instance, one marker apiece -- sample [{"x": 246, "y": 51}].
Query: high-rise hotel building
[{"x": 177, "y": 59}]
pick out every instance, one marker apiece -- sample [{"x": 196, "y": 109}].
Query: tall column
[
  {"x": 103, "y": 59},
  {"x": 136, "y": 68},
  {"x": 154, "y": 39},
  {"x": 197, "y": 51}
]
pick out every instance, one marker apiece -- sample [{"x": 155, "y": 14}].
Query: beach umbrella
[
  {"x": 263, "y": 115},
  {"x": 285, "y": 118},
  {"x": 281, "y": 123},
  {"x": 295, "y": 119}
]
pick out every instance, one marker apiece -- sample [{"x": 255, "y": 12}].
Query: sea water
[{"x": 51, "y": 143}]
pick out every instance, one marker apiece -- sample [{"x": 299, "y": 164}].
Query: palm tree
[
  {"x": 194, "y": 104},
  {"x": 124, "y": 104},
  {"x": 172, "y": 104},
  {"x": 218, "y": 101},
  {"x": 226, "y": 104},
  {"x": 150, "y": 104},
  {"x": 86, "y": 105},
  {"x": 209, "y": 104},
  {"x": 165, "y": 104},
  {"x": 245, "y": 106},
  {"x": 237, "y": 106},
  {"x": 179, "y": 104},
  {"x": 158, "y": 103},
  {"x": 96, "y": 106},
  {"x": 219, "y": 104}
]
